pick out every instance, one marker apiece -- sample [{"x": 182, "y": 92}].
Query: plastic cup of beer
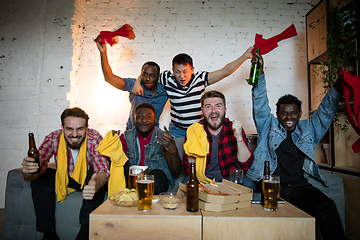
[
  {"x": 145, "y": 188},
  {"x": 236, "y": 176},
  {"x": 134, "y": 172},
  {"x": 271, "y": 191}
]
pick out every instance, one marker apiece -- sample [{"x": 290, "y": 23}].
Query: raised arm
[
  {"x": 260, "y": 101},
  {"x": 244, "y": 155},
  {"x": 111, "y": 78},
  {"x": 229, "y": 68}
]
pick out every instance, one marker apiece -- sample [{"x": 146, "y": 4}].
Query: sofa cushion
[{"x": 19, "y": 214}]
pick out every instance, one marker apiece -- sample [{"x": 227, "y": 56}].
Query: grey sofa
[{"x": 19, "y": 217}]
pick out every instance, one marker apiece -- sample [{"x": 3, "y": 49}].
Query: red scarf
[
  {"x": 351, "y": 87},
  {"x": 111, "y": 37},
  {"x": 266, "y": 45}
]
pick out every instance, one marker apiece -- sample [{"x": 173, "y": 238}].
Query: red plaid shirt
[
  {"x": 227, "y": 150},
  {"x": 49, "y": 148}
]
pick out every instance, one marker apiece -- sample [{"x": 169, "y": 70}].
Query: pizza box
[
  {"x": 239, "y": 196},
  {"x": 217, "y": 207}
]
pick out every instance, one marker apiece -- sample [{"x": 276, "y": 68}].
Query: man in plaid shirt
[
  {"x": 74, "y": 124},
  {"x": 227, "y": 140}
]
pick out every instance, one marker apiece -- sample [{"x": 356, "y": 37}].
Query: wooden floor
[{"x": 1, "y": 223}]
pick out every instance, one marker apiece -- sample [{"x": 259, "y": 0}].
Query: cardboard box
[{"x": 240, "y": 197}]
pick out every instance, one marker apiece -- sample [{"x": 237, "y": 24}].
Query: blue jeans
[{"x": 177, "y": 132}]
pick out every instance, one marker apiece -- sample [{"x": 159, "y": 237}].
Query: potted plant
[{"x": 343, "y": 23}]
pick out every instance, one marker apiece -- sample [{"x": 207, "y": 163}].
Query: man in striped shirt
[
  {"x": 185, "y": 88},
  {"x": 72, "y": 146}
]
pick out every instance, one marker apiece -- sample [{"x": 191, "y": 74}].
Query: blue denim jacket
[
  {"x": 308, "y": 133},
  {"x": 154, "y": 153}
]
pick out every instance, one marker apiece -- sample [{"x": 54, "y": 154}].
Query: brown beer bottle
[
  {"x": 33, "y": 152},
  {"x": 266, "y": 172},
  {"x": 192, "y": 191}
]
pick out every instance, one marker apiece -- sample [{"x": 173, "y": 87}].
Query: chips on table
[{"x": 125, "y": 197}]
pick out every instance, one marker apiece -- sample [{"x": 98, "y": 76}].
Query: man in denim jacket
[
  {"x": 147, "y": 145},
  {"x": 288, "y": 144}
]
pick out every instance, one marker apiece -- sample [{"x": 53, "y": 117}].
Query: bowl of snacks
[
  {"x": 155, "y": 198},
  {"x": 171, "y": 200},
  {"x": 125, "y": 198}
]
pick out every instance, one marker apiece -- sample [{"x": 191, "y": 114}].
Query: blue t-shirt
[{"x": 158, "y": 101}]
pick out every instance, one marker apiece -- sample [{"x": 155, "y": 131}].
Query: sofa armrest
[{"x": 19, "y": 213}]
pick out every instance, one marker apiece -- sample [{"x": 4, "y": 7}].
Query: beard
[
  {"x": 214, "y": 125},
  {"x": 75, "y": 145}
]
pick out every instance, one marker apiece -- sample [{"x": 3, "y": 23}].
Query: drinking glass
[
  {"x": 145, "y": 188},
  {"x": 271, "y": 191},
  {"x": 134, "y": 172},
  {"x": 236, "y": 176}
]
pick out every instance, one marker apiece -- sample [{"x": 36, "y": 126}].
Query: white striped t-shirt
[{"x": 185, "y": 101}]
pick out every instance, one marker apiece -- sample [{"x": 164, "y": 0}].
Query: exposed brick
[{"x": 51, "y": 61}]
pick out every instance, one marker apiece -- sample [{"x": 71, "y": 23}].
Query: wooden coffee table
[
  {"x": 254, "y": 222},
  {"x": 112, "y": 222}
]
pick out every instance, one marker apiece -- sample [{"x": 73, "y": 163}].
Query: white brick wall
[
  {"x": 212, "y": 32},
  {"x": 36, "y": 49},
  {"x": 37, "y": 38}
]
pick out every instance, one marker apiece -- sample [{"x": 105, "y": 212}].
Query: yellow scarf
[
  {"x": 79, "y": 173},
  {"x": 197, "y": 146},
  {"x": 111, "y": 146}
]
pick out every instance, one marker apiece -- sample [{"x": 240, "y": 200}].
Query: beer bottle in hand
[
  {"x": 255, "y": 70},
  {"x": 192, "y": 191},
  {"x": 33, "y": 152},
  {"x": 266, "y": 172}
]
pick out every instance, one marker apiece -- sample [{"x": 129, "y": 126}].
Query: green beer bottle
[{"x": 255, "y": 70}]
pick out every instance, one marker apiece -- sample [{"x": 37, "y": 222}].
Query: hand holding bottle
[
  {"x": 29, "y": 166},
  {"x": 256, "y": 68},
  {"x": 258, "y": 58}
]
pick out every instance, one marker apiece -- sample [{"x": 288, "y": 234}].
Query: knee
[{"x": 328, "y": 205}]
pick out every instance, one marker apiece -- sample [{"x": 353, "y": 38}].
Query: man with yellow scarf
[
  {"x": 217, "y": 143},
  {"x": 79, "y": 167}
]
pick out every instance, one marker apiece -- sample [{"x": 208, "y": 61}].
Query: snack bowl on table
[
  {"x": 125, "y": 203},
  {"x": 171, "y": 200},
  {"x": 155, "y": 198},
  {"x": 125, "y": 198}
]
